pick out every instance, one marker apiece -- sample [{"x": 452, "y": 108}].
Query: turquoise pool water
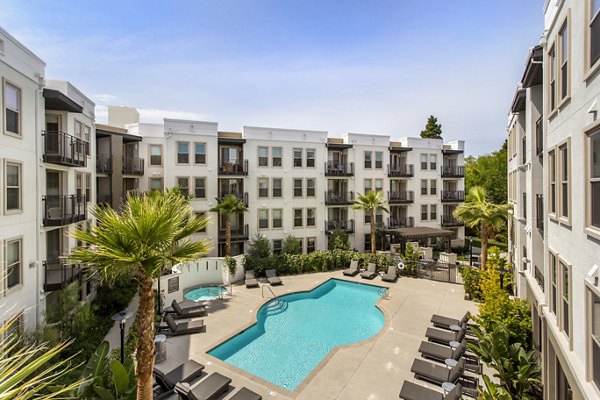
[
  {"x": 205, "y": 293},
  {"x": 295, "y": 332}
]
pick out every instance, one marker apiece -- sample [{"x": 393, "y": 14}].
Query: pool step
[{"x": 275, "y": 308}]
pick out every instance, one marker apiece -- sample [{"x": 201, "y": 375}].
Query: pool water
[
  {"x": 295, "y": 332},
  {"x": 205, "y": 293}
]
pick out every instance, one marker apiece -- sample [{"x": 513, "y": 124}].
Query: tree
[
  {"x": 478, "y": 212},
  {"x": 152, "y": 230},
  {"x": 490, "y": 172},
  {"x": 433, "y": 130},
  {"x": 370, "y": 203},
  {"x": 338, "y": 240},
  {"x": 259, "y": 247},
  {"x": 228, "y": 207},
  {"x": 291, "y": 245}
]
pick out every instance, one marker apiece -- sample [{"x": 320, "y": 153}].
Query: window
[
  {"x": 594, "y": 32},
  {"x": 13, "y": 262},
  {"x": 297, "y": 157},
  {"x": 311, "y": 244},
  {"x": 595, "y": 339},
  {"x": 12, "y": 109},
  {"x": 433, "y": 212},
  {"x": 277, "y": 187},
  {"x": 276, "y": 154},
  {"x": 297, "y": 187},
  {"x": 565, "y": 297},
  {"x": 594, "y": 188},
  {"x": 378, "y": 185},
  {"x": 524, "y": 150},
  {"x": 201, "y": 214},
  {"x": 310, "y": 187},
  {"x": 379, "y": 159},
  {"x": 13, "y": 194},
  {"x": 184, "y": 185},
  {"x": 553, "y": 283},
  {"x": 277, "y": 218},
  {"x": 552, "y": 81},
  {"x": 155, "y": 154},
  {"x": 563, "y": 387},
  {"x": 88, "y": 187},
  {"x": 183, "y": 153},
  {"x": 368, "y": 159},
  {"x": 263, "y": 218},
  {"x": 263, "y": 156},
  {"x": 368, "y": 184},
  {"x": 423, "y": 187},
  {"x": 565, "y": 192},
  {"x": 277, "y": 243},
  {"x": 563, "y": 36},
  {"x": 423, "y": 212},
  {"x": 552, "y": 181},
  {"x": 367, "y": 242},
  {"x": 263, "y": 187},
  {"x": 200, "y": 188},
  {"x": 310, "y": 158},
  {"x": 423, "y": 161},
  {"x": 433, "y": 187},
  {"x": 200, "y": 153},
  {"x": 298, "y": 217},
  {"x": 310, "y": 216},
  {"x": 524, "y": 205},
  {"x": 156, "y": 184},
  {"x": 433, "y": 162}
]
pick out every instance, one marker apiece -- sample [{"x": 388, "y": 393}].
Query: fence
[{"x": 437, "y": 271}]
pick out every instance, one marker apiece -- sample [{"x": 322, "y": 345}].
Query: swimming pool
[
  {"x": 295, "y": 332},
  {"x": 205, "y": 293}
]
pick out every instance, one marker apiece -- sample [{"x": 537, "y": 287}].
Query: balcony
[
  {"x": 453, "y": 196},
  {"x": 539, "y": 277},
  {"x": 58, "y": 274},
  {"x": 238, "y": 234},
  {"x": 345, "y": 225},
  {"x": 133, "y": 166},
  {"x": 453, "y": 172},
  {"x": 402, "y": 197},
  {"x": 401, "y": 171},
  {"x": 450, "y": 220},
  {"x": 333, "y": 168},
  {"x": 104, "y": 164},
  {"x": 239, "y": 195},
  {"x": 64, "y": 149},
  {"x": 104, "y": 199},
  {"x": 64, "y": 210},
  {"x": 539, "y": 137},
  {"x": 396, "y": 223},
  {"x": 338, "y": 198},
  {"x": 236, "y": 168}
]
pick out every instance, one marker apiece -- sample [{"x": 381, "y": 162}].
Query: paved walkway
[
  {"x": 371, "y": 370},
  {"x": 114, "y": 335}
]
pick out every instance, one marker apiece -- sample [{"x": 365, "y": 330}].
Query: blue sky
[{"x": 342, "y": 66}]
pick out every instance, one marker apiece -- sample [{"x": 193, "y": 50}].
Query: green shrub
[
  {"x": 338, "y": 240},
  {"x": 291, "y": 245},
  {"x": 259, "y": 247},
  {"x": 411, "y": 259},
  {"x": 471, "y": 281}
]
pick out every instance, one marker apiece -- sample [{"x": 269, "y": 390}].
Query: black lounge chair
[
  {"x": 188, "y": 312},
  {"x": 352, "y": 270},
  {"x": 187, "y": 372},
  {"x": 173, "y": 328},
  {"x": 246, "y": 394},
  {"x": 272, "y": 277},
  {"x": 391, "y": 275},
  {"x": 210, "y": 388},
  {"x": 445, "y": 337},
  {"x": 436, "y": 373},
  {"x": 441, "y": 353},
  {"x": 251, "y": 279},
  {"x": 371, "y": 272},
  {"x": 184, "y": 305},
  {"x": 412, "y": 391},
  {"x": 444, "y": 322}
]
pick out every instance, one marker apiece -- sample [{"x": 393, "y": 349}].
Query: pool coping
[{"x": 315, "y": 371}]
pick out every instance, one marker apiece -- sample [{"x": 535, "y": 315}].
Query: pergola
[{"x": 403, "y": 235}]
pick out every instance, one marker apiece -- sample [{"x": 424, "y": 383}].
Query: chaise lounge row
[
  {"x": 272, "y": 278},
  {"x": 371, "y": 272},
  {"x": 170, "y": 327}
]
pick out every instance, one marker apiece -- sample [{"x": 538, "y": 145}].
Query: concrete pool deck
[{"x": 374, "y": 369}]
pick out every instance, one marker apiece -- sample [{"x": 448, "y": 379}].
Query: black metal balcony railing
[
  {"x": 133, "y": 166},
  {"x": 406, "y": 222},
  {"x": 233, "y": 168},
  {"x": 345, "y": 225},
  {"x": 104, "y": 199},
  {"x": 238, "y": 234},
  {"x": 453, "y": 172},
  {"x": 539, "y": 277},
  {"x": 539, "y": 211},
  {"x": 104, "y": 164},
  {"x": 239, "y": 195},
  {"x": 539, "y": 137},
  {"x": 401, "y": 197},
  {"x": 58, "y": 274},
  {"x": 64, "y": 149},
  {"x": 450, "y": 220},
  {"x": 333, "y": 168},
  {"x": 338, "y": 198},
  {"x": 63, "y": 210},
  {"x": 400, "y": 170},
  {"x": 453, "y": 195}
]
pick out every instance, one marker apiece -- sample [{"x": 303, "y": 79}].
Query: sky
[{"x": 376, "y": 66}]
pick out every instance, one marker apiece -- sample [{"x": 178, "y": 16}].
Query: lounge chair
[
  {"x": 210, "y": 388},
  {"x": 412, "y": 391},
  {"x": 173, "y": 328},
  {"x": 272, "y": 277},
  {"x": 445, "y": 337},
  {"x": 436, "y": 373},
  {"x": 184, "y": 305},
  {"x": 251, "y": 279},
  {"x": 444, "y": 322},
  {"x": 441, "y": 353},
  {"x": 391, "y": 275},
  {"x": 352, "y": 270},
  {"x": 371, "y": 272},
  {"x": 188, "y": 312},
  {"x": 246, "y": 394},
  {"x": 186, "y": 373}
]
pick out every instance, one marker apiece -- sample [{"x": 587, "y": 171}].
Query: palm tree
[
  {"x": 371, "y": 202},
  {"x": 152, "y": 229},
  {"x": 477, "y": 212},
  {"x": 229, "y": 206}
]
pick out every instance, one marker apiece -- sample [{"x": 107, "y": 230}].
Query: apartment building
[{"x": 554, "y": 184}]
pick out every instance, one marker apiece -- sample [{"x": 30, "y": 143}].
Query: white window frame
[
  {"x": 19, "y": 165},
  {"x": 19, "y": 134}
]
